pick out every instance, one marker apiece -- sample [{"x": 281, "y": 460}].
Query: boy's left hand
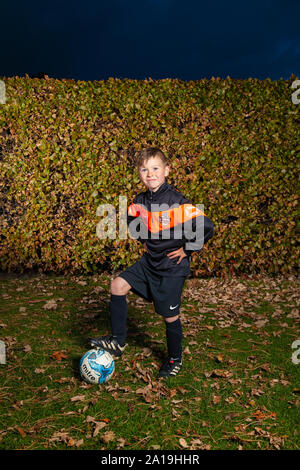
[{"x": 176, "y": 253}]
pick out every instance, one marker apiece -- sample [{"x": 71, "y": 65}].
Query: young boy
[{"x": 163, "y": 214}]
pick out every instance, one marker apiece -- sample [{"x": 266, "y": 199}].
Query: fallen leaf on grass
[
  {"x": 70, "y": 442},
  {"x": 107, "y": 437},
  {"x": 222, "y": 373},
  {"x": 172, "y": 392},
  {"x": 63, "y": 380},
  {"x": 59, "y": 355},
  {"x": 79, "y": 442},
  {"x": 216, "y": 399},
  {"x": 218, "y": 373},
  {"x": 98, "y": 426},
  {"x": 50, "y": 305},
  {"x": 60, "y": 436},
  {"x": 78, "y": 398},
  {"x": 266, "y": 367},
  {"x": 21, "y": 431},
  {"x": 147, "y": 394},
  {"x": 274, "y": 440},
  {"x": 121, "y": 442},
  {"x": 259, "y": 415},
  {"x": 294, "y": 313},
  {"x": 257, "y": 393},
  {"x": 90, "y": 419},
  {"x": 230, "y": 400},
  {"x": 261, "y": 323},
  {"x": 183, "y": 443}
]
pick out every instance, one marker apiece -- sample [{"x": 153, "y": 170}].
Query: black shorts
[{"x": 164, "y": 292}]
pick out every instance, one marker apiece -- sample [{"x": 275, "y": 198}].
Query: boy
[{"x": 162, "y": 213}]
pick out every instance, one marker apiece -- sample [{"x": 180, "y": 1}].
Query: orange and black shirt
[{"x": 166, "y": 221}]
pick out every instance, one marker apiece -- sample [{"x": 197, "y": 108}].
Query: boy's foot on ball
[
  {"x": 170, "y": 368},
  {"x": 109, "y": 344}
]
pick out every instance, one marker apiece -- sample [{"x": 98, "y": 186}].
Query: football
[{"x": 96, "y": 366}]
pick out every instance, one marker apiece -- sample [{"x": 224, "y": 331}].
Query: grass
[{"x": 238, "y": 388}]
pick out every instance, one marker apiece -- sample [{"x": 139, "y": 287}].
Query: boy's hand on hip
[{"x": 176, "y": 253}]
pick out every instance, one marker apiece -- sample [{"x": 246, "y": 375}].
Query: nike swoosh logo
[{"x": 172, "y": 308}]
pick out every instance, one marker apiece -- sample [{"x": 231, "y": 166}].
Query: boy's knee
[
  {"x": 171, "y": 319},
  {"x": 119, "y": 286}
]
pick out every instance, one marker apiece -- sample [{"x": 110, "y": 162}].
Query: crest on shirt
[{"x": 164, "y": 219}]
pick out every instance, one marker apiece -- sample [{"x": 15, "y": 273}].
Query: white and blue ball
[{"x": 96, "y": 366}]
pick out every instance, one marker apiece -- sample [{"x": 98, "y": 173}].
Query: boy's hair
[{"x": 146, "y": 154}]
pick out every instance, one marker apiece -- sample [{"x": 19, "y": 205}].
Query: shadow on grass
[
  {"x": 96, "y": 322},
  {"x": 75, "y": 367}
]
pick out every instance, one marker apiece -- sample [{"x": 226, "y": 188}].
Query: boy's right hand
[{"x": 145, "y": 246}]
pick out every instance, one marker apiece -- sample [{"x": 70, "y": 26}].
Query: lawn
[{"x": 238, "y": 389}]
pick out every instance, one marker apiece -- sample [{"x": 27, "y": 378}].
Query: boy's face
[{"x": 153, "y": 173}]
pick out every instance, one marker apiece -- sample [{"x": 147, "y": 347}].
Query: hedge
[{"x": 68, "y": 146}]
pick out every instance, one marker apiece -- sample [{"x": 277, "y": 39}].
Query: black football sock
[
  {"x": 118, "y": 317},
  {"x": 174, "y": 338}
]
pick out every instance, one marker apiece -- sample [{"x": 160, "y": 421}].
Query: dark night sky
[{"x": 185, "y": 39}]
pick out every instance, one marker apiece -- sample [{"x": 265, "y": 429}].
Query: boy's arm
[
  {"x": 133, "y": 221},
  {"x": 201, "y": 232},
  {"x": 197, "y": 230}
]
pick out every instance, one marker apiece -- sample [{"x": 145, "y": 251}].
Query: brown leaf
[
  {"x": 220, "y": 358},
  {"x": 78, "y": 398},
  {"x": 90, "y": 419},
  {"x": 70, "y": 442},
  {"x": 183, "y": 443},
  {"x": 59, "y": 355},
  {"x": 50, "y": 305},
  {"x": 261, "y": 323},
  {"x": 79, "y": 442},
  {"x": 121, "y": 442},
  {"x": 21, "y": 431},
  {"x": 98, "y": 426},
  {"x": 107, "y": 437},
  {"x": 230, "y": 400},
  {"x": 222, "y": 373},
  {"x": 59, "y": 436},
  {"x": 259, "y": 415},
  {"x": 216, "y": 399}
]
